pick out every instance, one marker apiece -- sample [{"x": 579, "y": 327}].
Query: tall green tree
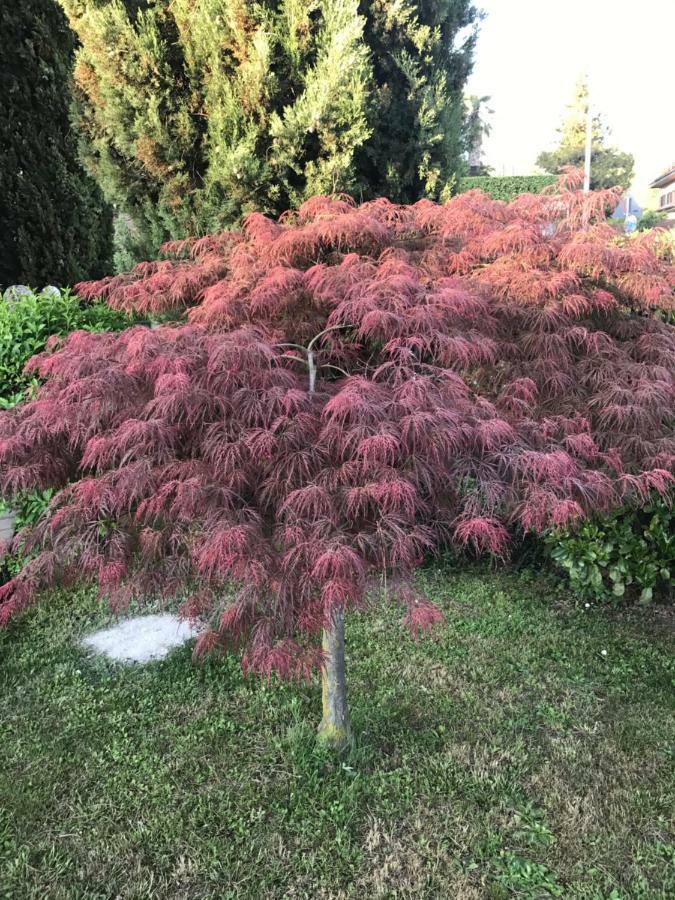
[
  {"x": 421, "y": 54},
  {"x": 610, "y": 167},
  {"x": 54, "y": 222},
  {"x": 476, "y": 128},
  {"x": 196, "y": 111}
]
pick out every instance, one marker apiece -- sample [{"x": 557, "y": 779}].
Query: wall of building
[{"x": 666, "y": 201}]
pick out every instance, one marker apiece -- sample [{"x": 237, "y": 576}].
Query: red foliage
[{"x": 483, "y": 369}]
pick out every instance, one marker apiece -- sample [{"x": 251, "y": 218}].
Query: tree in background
[
  {"x": 55, "y": 225},
  {"x": 354, "y": 387},
  {"x": 609, "y": 168},
  {"x": 196, "y": 111},
  {"x": 476, "y": 129}
]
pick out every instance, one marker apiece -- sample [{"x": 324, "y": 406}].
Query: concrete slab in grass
[{"x": 141, "y": 639}]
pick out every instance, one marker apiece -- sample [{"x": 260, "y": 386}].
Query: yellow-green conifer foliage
[{"x": 195, "y": 111}]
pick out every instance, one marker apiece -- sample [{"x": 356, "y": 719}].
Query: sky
[{"x": 530, "y": 54}]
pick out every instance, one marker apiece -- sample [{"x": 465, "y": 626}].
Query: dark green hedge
[
  {"x": 507, "y": 187},
  {"x": 55, "y": 227}
]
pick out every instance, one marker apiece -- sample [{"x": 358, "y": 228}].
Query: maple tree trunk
[{"x": 335, "y": 729}]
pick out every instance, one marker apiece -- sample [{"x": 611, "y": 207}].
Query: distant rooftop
[{"x": 665, "y": 178}]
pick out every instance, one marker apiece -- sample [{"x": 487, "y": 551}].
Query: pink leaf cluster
[{"x": 484, "y": 369}]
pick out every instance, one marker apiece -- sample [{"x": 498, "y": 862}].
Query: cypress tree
[
  {"x": 54, "y": 222},
  {"x": 420, "y": 66},
  {"x": 196, "y": 111}
]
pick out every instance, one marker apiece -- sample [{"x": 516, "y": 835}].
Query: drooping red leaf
[{"x": 481, "y": 369}]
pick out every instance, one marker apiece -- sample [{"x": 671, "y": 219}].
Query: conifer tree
[
  {"x": 196, "y": 111},
  {"x": 610, "y": 167},
  {"x": 54, "y": 223},
  {"x": 476, "y": 128},
  {"x": 419, "y": 71}
]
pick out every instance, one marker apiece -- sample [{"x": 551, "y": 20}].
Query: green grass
[{"x": 505, "y": 756}]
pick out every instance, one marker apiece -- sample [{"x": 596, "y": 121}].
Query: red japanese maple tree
[{"x": 352, "y": 387}]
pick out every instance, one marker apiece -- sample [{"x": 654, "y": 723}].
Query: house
[
  {"x": 665, "y": 184},
  {"x": 628, "y": 205}
]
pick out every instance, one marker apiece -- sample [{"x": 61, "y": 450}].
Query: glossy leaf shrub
[
  {"x": 630, "y": 553},
  {"x": 483, "y": 370}
]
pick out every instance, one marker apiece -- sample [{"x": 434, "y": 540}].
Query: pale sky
[{"x": 530, "y": 54}]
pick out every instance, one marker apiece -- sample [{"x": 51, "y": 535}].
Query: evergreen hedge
[
  {"x": 55, "y": 225},
  {"x": 506, "y": 187}
]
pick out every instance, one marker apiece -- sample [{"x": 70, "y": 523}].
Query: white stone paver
[{"x": 141, "y": 639}]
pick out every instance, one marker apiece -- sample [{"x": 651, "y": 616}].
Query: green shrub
[
  {"x": 28, "y": 506},
  {"x": 508, "y": 187},
  {"x": 628, "y": 552},
  {"x": 651, "y": 218},
  {"x": 27, "y": 321}
]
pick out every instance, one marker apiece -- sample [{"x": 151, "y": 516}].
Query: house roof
[{"x": 665, "y": 178}]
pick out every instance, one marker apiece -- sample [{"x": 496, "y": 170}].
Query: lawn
[{"x": 524, "y": 750}]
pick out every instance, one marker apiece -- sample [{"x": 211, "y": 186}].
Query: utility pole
[{"x": 589, "y": 145}]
